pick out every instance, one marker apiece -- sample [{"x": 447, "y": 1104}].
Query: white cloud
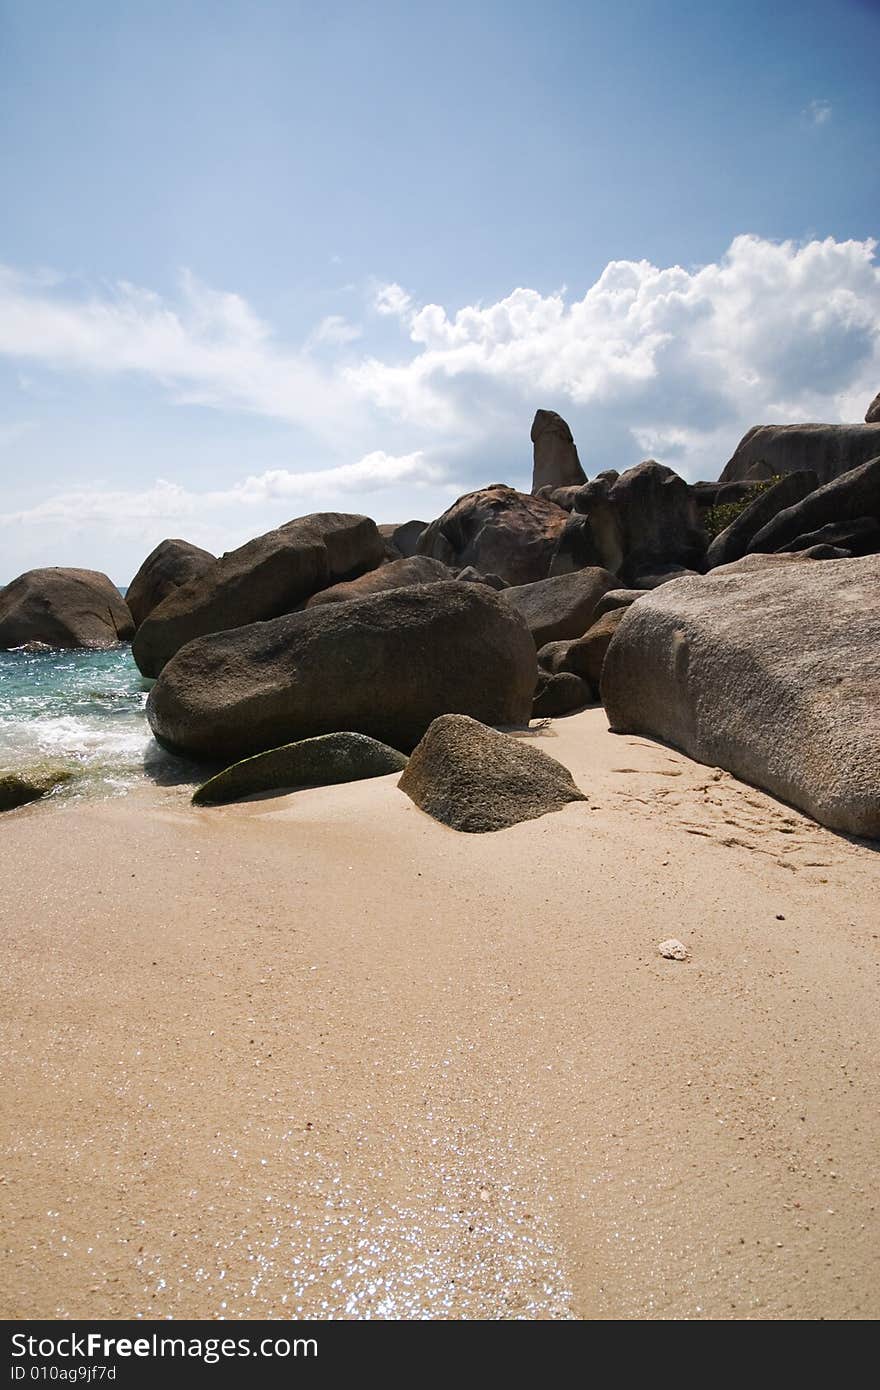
[
  {"x": 818, "y": 112},
  {"x": 335, "y": 331},
  {"x": 208, "y": 348},
  {"x": 392, "y": 301},
  {"x": 686, "y": 358},
  {"x": 665, "y": 360},
  {"x": 170, "y": 502}
]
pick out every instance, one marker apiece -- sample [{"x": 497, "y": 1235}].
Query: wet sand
[{"x": 317, "y": 1055}]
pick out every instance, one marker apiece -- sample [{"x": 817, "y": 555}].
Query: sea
[{"x": 82, "y": 710}]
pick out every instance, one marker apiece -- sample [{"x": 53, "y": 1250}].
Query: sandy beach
[{"x": 317, "y": 1055}]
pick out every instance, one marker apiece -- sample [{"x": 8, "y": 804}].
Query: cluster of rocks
[{"x": 735, "y": 644}]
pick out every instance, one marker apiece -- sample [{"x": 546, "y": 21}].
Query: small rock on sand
[{"x": 673, "y": 949}]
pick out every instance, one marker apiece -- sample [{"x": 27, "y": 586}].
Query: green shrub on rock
[{"x": 717, "y": 519}]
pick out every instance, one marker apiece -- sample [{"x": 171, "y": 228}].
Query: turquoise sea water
[{"x": 82, "y": 709}]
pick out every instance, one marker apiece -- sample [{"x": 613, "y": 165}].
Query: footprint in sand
[{"x": 713, "y": 805}]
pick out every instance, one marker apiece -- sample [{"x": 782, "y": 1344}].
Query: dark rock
[
  {"x": 560, "y": 694},
  {"x": 263, "y": 579},
  {"x": 643, "y": 522},
  {"x": 475, "y": 779},
  {"x": 652, "y": 579},
  {"x": 769, "y": 671},
  {"x": 471, "y": 576},
  {"x": 384, "y": 666},
  {"x": 861, "y": 536},
  {"x": 564, "y": 497},
  {"x": 550, "y": 657},
  {"x": 826, "y": 450},
  {"x": 733, "y": 542},
  {"x": 498, "y": 531},
  {"x": 585, "y": 656},
  {"x": 403, "y": 536},
  {"x": 323, "y": 761},
  {"x": 172, "y": 563},
  {"x": 853, "y": 495},
  {"x": 709, "y": 495},
  {"x": 827, "y": 552},
  {"x": 63, "y": 608},
  {"x": 592, "y": 648},
  {"x": 616, "y": 598},
  {"x": 556, "y": 458},
  {"x": 20, "y": 788},
  {"x": 562, "y": 606},
  {"x": 399, "y": 574},
  {"x": 576, "y": 548},
  {"x": 872, "y": 414}
]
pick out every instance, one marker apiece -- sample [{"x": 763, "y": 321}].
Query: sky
[{"x": 266, "y": 258}]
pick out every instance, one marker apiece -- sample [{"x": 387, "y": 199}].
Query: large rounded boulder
[
  {"x": 768, "y": 451},
  {"x": 268, "y": 576},
  {"x": 769, "y": 670},
  {"x": 499, "y": 531},
  {"x": 171, "y": 564},
  {"x": 384, "y": 666},
  {"x": 476, "y": 779},
  {"x": 63, "y": 608}
]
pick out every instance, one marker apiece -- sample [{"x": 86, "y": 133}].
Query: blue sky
[{"x": 267, "y": 258}]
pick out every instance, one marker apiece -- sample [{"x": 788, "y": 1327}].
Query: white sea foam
[{"x": 84, "y": 710}]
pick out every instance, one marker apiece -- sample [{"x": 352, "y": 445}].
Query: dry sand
[{"x": 320, "y": 1056}]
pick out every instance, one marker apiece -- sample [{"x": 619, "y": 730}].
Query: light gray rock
[{"x": 769, "y": 671}]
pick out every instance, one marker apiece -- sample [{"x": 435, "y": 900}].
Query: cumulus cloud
[
  {"x": 684, "y": 358},
  {"x": 673, "y": 361},
  {"x": 818, "y": 112}
]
